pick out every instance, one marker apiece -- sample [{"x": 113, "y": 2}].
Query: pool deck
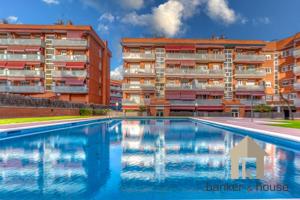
[
  {"x": 44, "y": 123},
  {"x": 259, "y": 124}
]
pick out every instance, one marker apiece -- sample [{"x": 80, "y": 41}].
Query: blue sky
[{"x": 114, "y": 19}]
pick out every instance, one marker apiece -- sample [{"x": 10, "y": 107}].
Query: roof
[{"x": 247, "y": 148}]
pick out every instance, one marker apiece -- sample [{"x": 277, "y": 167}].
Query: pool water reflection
[{"x": 136, "y": 159}]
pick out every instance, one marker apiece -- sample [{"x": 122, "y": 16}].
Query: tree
[
  {"x": 287, "y": 101},
  {"x": 262, "y": 108}
]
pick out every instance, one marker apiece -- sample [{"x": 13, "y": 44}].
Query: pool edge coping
[{"x": 263, "y": 132}]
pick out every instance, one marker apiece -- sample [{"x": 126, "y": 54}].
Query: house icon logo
[{"x": 247, "y": 148}]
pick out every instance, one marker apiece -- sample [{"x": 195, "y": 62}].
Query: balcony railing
[
  {"x": 22, "y": 88},
  {"x": 297, "y": 53},
  {"x": 195, "y": 56},
  {"x": 194, "y": 72},
  {"x": 70, "y": 89},
  {"x": 115, "y": 88},
  {"x": 205, "y": 87},
  {"x": 250, "y": 73},
  {"x": 73, "y": 73},
  {"x": 129, "y": 102},
  {"x": 22, "y": 57},
  {"x": 139, "y": 72},
  {"x": 198, "y": 102},
  {"x": 297, "y": 70},
  {"x": 70, "y": 58},
  {"x": 116, "y": 95},
  {"x": 138, "y": 56},
  {"x": 24, "y": 73},
  {"x": 127, "y": 86},
  {"x": 251, "y": 58},
  {"x": 69, "y": 43},
  {"x": 248, "y": 102},
  {"x": 250, "y": 88},
  {"x": 25, "y": 42},
  {"x": 297, "y": 86}
]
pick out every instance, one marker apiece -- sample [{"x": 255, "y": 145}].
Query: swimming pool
[{"x": 140, "y": 159}]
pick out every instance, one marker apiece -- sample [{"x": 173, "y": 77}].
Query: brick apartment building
[
  {"x": 64, "y": 62},
  {"x": 170, "y": 76},
  {"x": 116, "y": 93}
]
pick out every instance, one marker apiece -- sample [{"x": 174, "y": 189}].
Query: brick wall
[{"x": 14, "y": 112}]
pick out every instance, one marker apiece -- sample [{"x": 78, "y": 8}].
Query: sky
[{"x": 114, "y": 19}]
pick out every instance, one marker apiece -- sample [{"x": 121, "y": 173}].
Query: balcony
[
  {"x": 297, "y": 53},
  {"x": 248, "y": 102},
  {"x": 21, "y": 42},
  {"x": 73, "y": 73},
  {"x": 198, "y": 87},
  {"x": 197, "y": 73},
  {"x": 4, "y": 88},
  {"x": 70, "y": 58},
  {"x": 297, "y": 87},
  {"x": 139, "y": 72},
  {"x": 250, "y": 88},
  {"x": 24, "y": 73},
  {"x": 250, "y": 73},
  {"x": 130, "y": 56},
  {"x": 249, "y": 58},
  {"x": 297, "y": 70},
  {"x": 118, "y": 95},
  {"x": 131, "y": 102},
  {"x": 198, "y": 102},
  {"x": 70, "y": 89},
  {"x": 69, "y": 43},
  {"x": 22, "y": 57},
  {"x": 22, "y": 88},
  {"x": 129, "y": 87},
  {"x": 195, "y": 56},
  {"x": 115, "y": 88}
]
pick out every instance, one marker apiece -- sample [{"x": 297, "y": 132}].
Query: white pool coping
[{"x": 264, "y": 132}]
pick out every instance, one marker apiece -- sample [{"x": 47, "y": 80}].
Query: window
[
  {"x": 292, "y": 96},
  {"x": 240, "y": 82},
  {"x": 268, "y": 84},
  {"x": 268, "y": 57},
  {"x": 268, "y": 70},
  {"x": 269, "y": 97},
  {"x": 216, "y": 67}
]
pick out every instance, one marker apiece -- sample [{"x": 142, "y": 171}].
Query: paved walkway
[
  {"x": 260, "y": 124},
  {"x": 45, "y": 123}
]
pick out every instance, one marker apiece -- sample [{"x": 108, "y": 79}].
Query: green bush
[
  {"x": 101, "y": 111},
  {"x": 86, "y": 111},
  {"x": 142, "y": 108},
  {"x": 262, "y": 108}
]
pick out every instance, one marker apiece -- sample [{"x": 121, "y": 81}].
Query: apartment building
[
  {"x": 64, "y": 62},
  {"x": 206, "y": 75},
  {"x": 116, "y": 94}
]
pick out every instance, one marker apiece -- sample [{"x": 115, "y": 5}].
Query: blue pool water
[{"x": 139, "y": 159}]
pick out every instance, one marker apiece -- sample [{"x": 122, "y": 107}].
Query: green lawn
[
  {"x": 288, "y": 123},
  {"x": 37, "y": 119}
]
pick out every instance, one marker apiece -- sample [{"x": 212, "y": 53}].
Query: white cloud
[
  {"x": 102, "y": 28},
  {"x": 12, "y": 19},
  {"x": 117, "y": 73},
  {"x": 133, "y": 4},
  {"x": 220, "y": 11},
  {"x": 137, "y": 20},
  {"x": 54, "y": 2},
  {"x": 107, "y": 17}
]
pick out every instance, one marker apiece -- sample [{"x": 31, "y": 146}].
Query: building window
[
  {"x": 268, "y": 57},
  {"x": 268, "y": 84},
  {"x": 269, "y": 97},
  {"x": 269, "y": 70},
  {"x": 292, "y": 96}
]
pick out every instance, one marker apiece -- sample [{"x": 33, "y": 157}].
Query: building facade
[
  {"x": 116, "y": 94},
  {"x": 64, "y": 62},
  {"x": 170, "y": 76}
]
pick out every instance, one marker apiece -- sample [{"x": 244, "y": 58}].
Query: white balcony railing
[
  {"x": 250, "y": 88},
  {"x": 138, "y": 56},
  {"x": 69, "y": 43},
  {"x": 129, "y": 102},
  {"x": 25, "y": 42},
  {"x": 118, "y": 95},
  {"x": 24, "y": 73},
  {"x": 195, "y": 56},
  {"x": 128, "y": 86},
  {"x": 70, "y": 58},
  {"x": 115, "y": 88},
  {"x": 296, "y": 70},
  {"x": 250, "y": 73},
  {"x": 139, "y": 72},
  {"x": 297, "y": 86},
  {"x": 249, "y": 102},
  {"x": 22, "y": 57},
  {"x": 70, "y": 89},
  {"x": 253, "y": 58},
  {"x": 22, "y": 88},
  {"x": 297, "y": 53},
  {"x": 198, "y": 102},
  {"x": 73, "y": 73},
  {"x": 193, "y": 72},
  {"x": 205, "y": 87}
]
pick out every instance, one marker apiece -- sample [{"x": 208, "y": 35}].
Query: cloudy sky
[{"x": 114, "y": 19}]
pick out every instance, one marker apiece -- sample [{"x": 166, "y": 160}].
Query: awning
[
  {"x": 16, "y": 48},
  {"x": 60, "y": 64},
  {"x": 33, "y": 49},
  {"x": 206, "y": 108},
  {"x": 187, "y": 95},
  {"x": 2, "y": 64},
  {"x": 249, "y": 93},
  {"x": 75, "y": 65},
  {"x": 249, "y": 47},
  {"x": 173, "y": 96},
  {"x": 188, "y": 63},
  {"x": 173, "y": 62},
  {"x": 74, "y": 34},
  {"x": 203, "y": 93},
  {"x": 74, "y": 82},
  {"x": 179, "y": 48},
  {"x": 15, "y": 65},
  {"x": 207, "y": 46}
]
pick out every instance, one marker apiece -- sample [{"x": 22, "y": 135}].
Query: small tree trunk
[{"x": 291, "y": 116}]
